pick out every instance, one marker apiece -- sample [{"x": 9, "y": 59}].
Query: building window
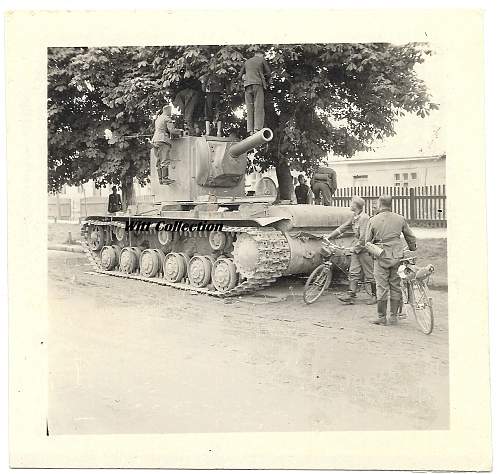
[{"x": 405, "y": 180}]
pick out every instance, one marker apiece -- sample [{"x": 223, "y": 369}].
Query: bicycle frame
[{"x": 414, "y": 292}]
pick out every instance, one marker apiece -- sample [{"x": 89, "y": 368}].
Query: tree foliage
[{"x": 322, "y": 98}]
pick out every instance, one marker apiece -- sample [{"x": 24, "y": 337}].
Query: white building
[
  {"x": 73, "y": 202},
  {"x": 405, "y": 172}
]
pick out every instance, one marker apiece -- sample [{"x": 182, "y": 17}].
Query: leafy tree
[{"x": 322, "y": 98}]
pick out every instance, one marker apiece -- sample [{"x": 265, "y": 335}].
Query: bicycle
[
  {"x": 414, "y": 290},
  {"x": 321, "y": 277}
]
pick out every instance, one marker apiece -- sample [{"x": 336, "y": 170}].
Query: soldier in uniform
[
  {"x": 188, "y": 100},
  {"x": 114, "y": 201},
  {"x": 361, "y": 260},
  {"x": 302, "y": 191},
  {"x": 384, "y": 230},
  {"x": 254, "y": 72},
  {"x": 213, "y": 87},
  {"x": 324, "y": 185},
  {"x": 162, "y": 142}
]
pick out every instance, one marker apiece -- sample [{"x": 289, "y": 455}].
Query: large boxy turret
[{"x": 203, "y": 166}]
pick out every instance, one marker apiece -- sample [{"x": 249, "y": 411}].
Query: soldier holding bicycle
[
  {"x": 384, "y": 231},
  {"x": 361, "y": 260}
]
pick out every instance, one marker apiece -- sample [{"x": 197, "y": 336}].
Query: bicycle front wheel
[
  {"x": 319, "y": 280},
  {"x": 421, "y": 305}
]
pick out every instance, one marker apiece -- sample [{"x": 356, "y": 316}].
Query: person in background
[
  {"x": 114, "y": 201},
  {"x": 384, "y": 230},
  {"x": 302, "y": 191},
  {"x": 361, "y": 261},
  {"x": 255, "y": 73},
  {"x": 324, "y": 185}
]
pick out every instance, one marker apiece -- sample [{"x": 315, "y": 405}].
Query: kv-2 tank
[{"x": 204, "y": 233}]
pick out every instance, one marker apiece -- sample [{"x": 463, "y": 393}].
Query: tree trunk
[
  {"x": 285, "y": 181},
  {"x": 278, "y": 124},
  {"x": 128, "y": 193}
]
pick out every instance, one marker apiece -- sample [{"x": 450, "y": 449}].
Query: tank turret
[{"x": 202, "y": 166}]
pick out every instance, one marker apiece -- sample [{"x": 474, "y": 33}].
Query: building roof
[{"x": 352, "y": 161}]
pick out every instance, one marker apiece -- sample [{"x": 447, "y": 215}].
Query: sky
[{"x": 416, "y": 136}]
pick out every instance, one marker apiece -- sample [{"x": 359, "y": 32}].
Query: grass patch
[
  {"x": 58, "y": 233},
  {"x": 435, "y": 252}
]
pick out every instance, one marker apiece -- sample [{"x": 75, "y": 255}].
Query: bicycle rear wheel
[
  {"x": 405, "y": 300},
  {"x": 319, "y": 280},
  {"x": 421, "y": 305}
]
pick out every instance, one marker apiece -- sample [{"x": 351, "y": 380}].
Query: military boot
[
  {"x": 351, "y": 293},
  {"x": 373, "y": 297},
  {"x": 382, "y": 312},
  {"x": 395, "y": 305}
]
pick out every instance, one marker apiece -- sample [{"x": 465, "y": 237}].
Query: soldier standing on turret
[
  {"x": 213, "y": 87},
  {"x": 254, "y": 72},
  {"x": 162, "y": 142},
  {"x": 188, "y": 101}
]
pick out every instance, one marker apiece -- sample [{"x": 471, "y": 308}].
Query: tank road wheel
[
  {"x": 224, "y": 275},
  {"x": 129, "y": 259},
  {"x": 151, "y": 262},
  {"x": 165, "y": 237},
  {"x": 120, "y": 233},
  {"x": 200, "y": 270},
  {"x": 217, "y": 240},
  {"x": 174, "y": 267},
  {"x": 110, "y": 256},
  {"x": 96, "y": 238}
]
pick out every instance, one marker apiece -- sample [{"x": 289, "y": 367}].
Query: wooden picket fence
[{"x": 422, "y": 205}]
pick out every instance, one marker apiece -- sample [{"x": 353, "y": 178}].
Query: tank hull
[{"x": 244, "y": 246}]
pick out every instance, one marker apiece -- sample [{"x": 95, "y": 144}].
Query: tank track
[{"x": 273, "y": 251}]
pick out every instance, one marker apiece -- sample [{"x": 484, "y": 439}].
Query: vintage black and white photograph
[
  {"x": 247, "y": 238},
  {"x": 247, "y": 241}
]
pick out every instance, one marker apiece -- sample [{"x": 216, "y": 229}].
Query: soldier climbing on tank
[
  {"x": 165, "y": 131},
  {"x": 213, "y": 87},
  {"x": 361, "y": 260},
  {"x": 255, "y": 73},
  {"x": 324, "y": 185}
]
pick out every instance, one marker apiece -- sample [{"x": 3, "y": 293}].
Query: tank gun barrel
[{"x": 253, "y": 141}]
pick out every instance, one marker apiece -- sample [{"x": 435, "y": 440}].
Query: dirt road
[{"x": 129, "y": 357}]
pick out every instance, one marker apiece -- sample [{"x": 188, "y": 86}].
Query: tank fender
[{"x": 309, "y": 216}]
